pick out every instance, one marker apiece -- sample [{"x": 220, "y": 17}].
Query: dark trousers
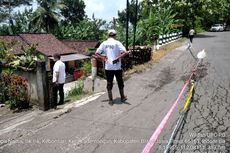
[
  {"x": 58, "y": 88},
  {"x": 191, "y": 38},
  {"x": 110, "y": 75}
]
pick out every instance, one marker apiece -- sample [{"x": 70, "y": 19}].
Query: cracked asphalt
[{"x": 97, "y": 127}]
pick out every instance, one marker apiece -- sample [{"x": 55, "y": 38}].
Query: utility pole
[
  {"x": 10, "y": 20},
  {"x": 135, "y": 25},
  {"x": 127, "y": 25},
  {"x": 114, "y": 22}
]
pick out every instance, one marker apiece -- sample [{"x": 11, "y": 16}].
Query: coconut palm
[{"x": 46, "y": 15}]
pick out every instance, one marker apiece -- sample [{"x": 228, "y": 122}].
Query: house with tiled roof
[
  {"x": 84, "y": 47},
  {"x": 18, "y": 43},
  {"x": 47, "y": 45}
]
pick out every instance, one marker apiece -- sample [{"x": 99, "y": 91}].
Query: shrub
[
  {"x": 199, "y": 30},
  {"x": 25, "y": 61},
  {"x": 15, "y": 91},
  {"x": 28, "y": 59},
  {"x": 76, "y": 90},
  {"x": 6, "y": 55},
  {"x": 228, "y": 28},
  {"x": 86, "y": 68}
]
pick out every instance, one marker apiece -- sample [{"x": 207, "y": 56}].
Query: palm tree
[{"x": 46, "y": 15}]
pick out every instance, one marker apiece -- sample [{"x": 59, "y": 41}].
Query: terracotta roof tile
[
  {"x": 81, "y": 46},
  {"x": 47, "y": 44}
]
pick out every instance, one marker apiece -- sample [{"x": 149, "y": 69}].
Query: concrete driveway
[{"x": 126, "y": 127}]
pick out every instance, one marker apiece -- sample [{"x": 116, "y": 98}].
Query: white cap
[{"x": 112, "y": 32}]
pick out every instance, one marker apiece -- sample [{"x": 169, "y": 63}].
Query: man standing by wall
[
  {"x": 112, "y": 51},
  {"x": 58, "y": 80}
]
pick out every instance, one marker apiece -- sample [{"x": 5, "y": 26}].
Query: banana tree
[
  {"x": 166, "y": 19},
  {"x": 147, "y": 29},
  {"x": 84, "y": 30}
]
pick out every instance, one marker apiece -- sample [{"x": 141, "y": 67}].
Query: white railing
[{"x": 167, "y": 38}]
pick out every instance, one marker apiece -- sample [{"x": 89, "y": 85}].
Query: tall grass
[{"x": 77, "y": 90}]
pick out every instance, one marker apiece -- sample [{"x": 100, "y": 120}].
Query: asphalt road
[{"x": 126, "y": 127}]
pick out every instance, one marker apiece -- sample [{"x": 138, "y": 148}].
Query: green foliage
[
  {"x": 46, "y": 16},
  {"x": 121, "y": 34},
  {"x": 4, "y": 29},
  {"x": 166, "y": 20},
  {"x": 73, "y": 12},
  {"x": 132, "y": 13},
  {"x": 8, "y": 5},
  {"x": 6, "y": 55},
  {"x": 158, "y": 21},
  {"x": 199, "y": 30},
  {"x": 3, "y": 15},
  {"x": 228, "y": 28},
  {"x": 28, "y": 59},
  {"x": 77, "y": 90},
  {"x": 6, "y": 15},
  {"x": 154, "y": 18},
  {"x": 216, "y": 11},
  {"x": 147, "y": 28},
  {"x": 91, "y": 50},
  {"x": 23, "y": 22},
  {"x": 199, "y": 14},
  {"x": 67, "y": 20},
  {"x": 202, "y": 14},
  {"x": 14, "y": 91},
  {"x": 84, "y": 30},
  {"x": 86, "y": 68}
]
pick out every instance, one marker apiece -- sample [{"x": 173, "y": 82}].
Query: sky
[{"x": 104, "y": 9}]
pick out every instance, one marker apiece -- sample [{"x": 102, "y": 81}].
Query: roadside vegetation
[
  {"x": 14, "y": 88},
  {"x": 156, "y": 56},
  {"x": 77, "y": 92},
  {"x": 66, "y": 19}
]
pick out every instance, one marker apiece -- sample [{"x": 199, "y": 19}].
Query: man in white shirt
[
  {"x": 191, "y": 34},
  {"x": 112, "y": 51},
  {"x": 58, "y": 79}
]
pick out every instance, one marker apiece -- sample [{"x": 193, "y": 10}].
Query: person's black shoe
[
  {"x": 110, "y": 103},
  {"x": 123, "y": 99}
]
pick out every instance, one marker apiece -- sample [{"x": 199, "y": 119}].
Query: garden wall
[
  {"x": 31, "y": 77},
  {"x": 38, "y": 85}
]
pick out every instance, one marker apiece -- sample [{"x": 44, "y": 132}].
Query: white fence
[{"x": 167, "y": 38}]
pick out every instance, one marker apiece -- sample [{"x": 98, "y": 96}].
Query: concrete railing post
[
  {"x": 93, "y": 71},
  {"x": 160, "y": 40},
  {"x": 164, "y": 39}
]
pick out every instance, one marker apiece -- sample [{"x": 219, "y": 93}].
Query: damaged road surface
[{"x": 97, "y": 127}]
